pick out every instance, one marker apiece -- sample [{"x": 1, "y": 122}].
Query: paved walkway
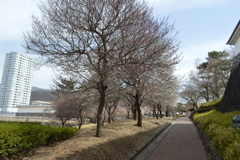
[{"x": 182, "y": 142}]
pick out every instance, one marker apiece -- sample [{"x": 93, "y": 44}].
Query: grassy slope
[{"x": 120, "y": 141}]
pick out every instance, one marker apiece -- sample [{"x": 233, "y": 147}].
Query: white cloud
[
  {"x": 15, "y": 17},
  {"x": 175, "y": 5}
]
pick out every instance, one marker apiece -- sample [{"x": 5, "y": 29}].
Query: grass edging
[
  {"x": 213, "y": 155},
  {"x": 166, "y": 128}
]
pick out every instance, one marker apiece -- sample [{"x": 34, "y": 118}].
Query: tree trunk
[
  {"x": 80, "y": 122},
  {"x": 159, "y": 106},
  {"x": 195, "y": 106},
  {"x": 134, "y": 112},
  {"x": 128, "y": 114},
  {"x": 63, "y": 122},
  {"x": 154, "y": 111},
  {"x": 207, "y": 95},
  {"x": 109, "y": 117},
  {"x": 139, "y": 122},
  {"x": 161, "y": 115},
  {"x": 104, "y": 117},
  {"x": 100, "y": 109},
  {"x": 139, "y": 112},
  {"x": 167, "y": 112}
]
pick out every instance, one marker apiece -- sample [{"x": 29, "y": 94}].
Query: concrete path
[{"x": 182, "y": 142}]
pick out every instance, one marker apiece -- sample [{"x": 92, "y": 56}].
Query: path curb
[{"x": 145, "y": 151}]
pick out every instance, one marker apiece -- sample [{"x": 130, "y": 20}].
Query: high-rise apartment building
[{"x": 15, "y": 88}]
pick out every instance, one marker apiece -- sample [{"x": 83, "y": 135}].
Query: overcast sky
[{"x": 203, "y": 26}]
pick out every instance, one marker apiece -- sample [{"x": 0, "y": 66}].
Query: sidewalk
[{"x": 182, "y": 142}]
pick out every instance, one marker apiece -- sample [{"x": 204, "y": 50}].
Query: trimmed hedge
[
  {"x": 224, "y": 139},
  {"x": 17, "y": 138}
]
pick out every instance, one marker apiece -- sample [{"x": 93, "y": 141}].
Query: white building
[
  {"x": 15, "y": 88},
  {"x": 235, "y": 38},
  {"x": 40, "y": 103},
  {"x": 35, "y": 108}
]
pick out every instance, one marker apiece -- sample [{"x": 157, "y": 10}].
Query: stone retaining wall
[{"x": 231, "y": 98}]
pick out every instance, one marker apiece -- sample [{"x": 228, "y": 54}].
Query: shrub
[
  {"x": 225, "y": 139},
  {"x": 212, "y": 103},
  {"x": 208, "y": 106},
  {"x": 16, "y": 137}
]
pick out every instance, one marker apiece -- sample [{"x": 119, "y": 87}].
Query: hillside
[
  {"x": 37, "y": 89},
  {"x": 41, "y": 94}
]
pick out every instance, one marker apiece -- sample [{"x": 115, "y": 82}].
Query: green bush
[
  {"x": 225, "y": 139},
  {"x": 208, "y": 106},
  {"x": 16, "y": 138},
  {"x": 212, "y": 103}
]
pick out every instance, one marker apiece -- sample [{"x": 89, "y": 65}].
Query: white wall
[
  {"x": 35, "y": 109},
  {"x": 237, "y": 46},
  {"x": 30, "y": 110}
]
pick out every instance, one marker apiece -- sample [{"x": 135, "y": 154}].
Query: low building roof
[
  {"x": 235, "y": 35},
  {"x": 33, "y": 106}
]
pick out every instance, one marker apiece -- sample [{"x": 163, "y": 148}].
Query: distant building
[
  {"x": 235, "y": 40},
  {"x": 36, "y": 108},
  {"x": 29, "y": 109},
  {"x": 40, "y": 103},
  {"x": 16, "y": 81}
]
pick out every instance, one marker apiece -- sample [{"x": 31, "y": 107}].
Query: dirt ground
[{"x": 121, "y": 140}]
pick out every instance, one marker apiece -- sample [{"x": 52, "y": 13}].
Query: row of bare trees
[
  {"x": 210, "y": 80},
  {"x": 74, "y": 101},
  {"x": 109, "y": 47}
]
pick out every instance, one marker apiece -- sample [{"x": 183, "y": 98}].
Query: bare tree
[
  {"x": 111, "y": 104},
  {"x": 128, "y": 107},
  {"x": 163, "y": 92},
  {"x": 190, "y": 93},
  {"x": 95, "y": 37},
  {"x": 129, "y": 101},
  {"x": 63, "y": 110},
  {"x": 82, "y": 105}
]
